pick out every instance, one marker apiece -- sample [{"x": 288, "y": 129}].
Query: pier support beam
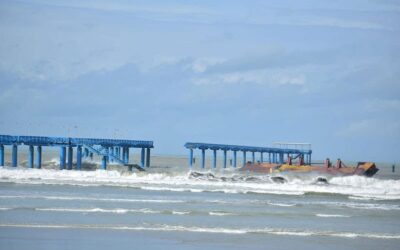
[
  {"x": 234, "y": 158},
  {"x": 118, "y": 152},
  {"x": 261, "y": 157},
  {"x": 191, "y": 158},
  {"x": 30, "y": 157},
  {"x": 253, "y": 157},
  {"x": 224, "y": 158},
  {"x": 142, "y": 154},
  {"x": 1, "y": 155},
  {"x": 104, "y": 162},
  {"x": 111, "y": 152},
  {"x": 148, "y": 157},
  {"x": 126, "y": 154},
  {"x": 63, "y": 152},
  {"x": 244, "y": 158},
  {"x": 39, "y": 157},
  {"x": 79, "y": 157},
  {"x": 70, "y": 154},
  {"x": 269, "y": 157},
  {"x": 214, "y": 158},
  {"x": 14, "y": 157},
  {"x": 203, "y": 158}
]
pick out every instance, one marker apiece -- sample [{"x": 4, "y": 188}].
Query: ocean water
[{"x": 172, "y": 207}]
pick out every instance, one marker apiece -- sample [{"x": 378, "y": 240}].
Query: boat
[{"x": 363, "y": 168}]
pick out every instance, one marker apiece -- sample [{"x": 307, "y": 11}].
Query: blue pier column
[
  {"x": 269, "y": 157},
  {"x": 91, "y": 156},
  {"x": 70, "y": 154},
  {"x": 147, "y": 157},
  {"x": 14, "y": 155},
  {"x": 203, "y": 158},
  {"x": 86, "y": 153},
  {"x": 224, "y": 158},
  {"x": 30, "y": 158},
  {"x": 282, "y": 156},
  {"x": 142, "y": 154},
  {"x": 104, "y": 162},
  {"x": 261, "y": 157},
  {"x": 234, "y": 158},
  {"x": 214, "y": 158},
  {"x": 117, "y": 152},
  {"x": 244, "y": 158},
  {"x": 111, "y": 152},
  {"x": 126, "y": 155},
  {"x": 1, "y": 155},
  {"x": 63, "y": 152},
  {"x": 253, "y": 157},
  {"x": 309, "y": 159},
  {"x": 79, "y": 157},
  {"x": 191, "y": 158},
  {"x": 39, "y": 157}
]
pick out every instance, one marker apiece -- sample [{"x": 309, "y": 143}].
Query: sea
[{"x": 173, "y": 207}]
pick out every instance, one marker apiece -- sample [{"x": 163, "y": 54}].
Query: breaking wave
[
  {"x": 352, "y": 186},
  {"x": 221, "y": 230}
]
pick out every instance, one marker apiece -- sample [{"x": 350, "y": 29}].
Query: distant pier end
[
  {"x": 110, "y": 150},
  {"x": 274, "y": 154}
]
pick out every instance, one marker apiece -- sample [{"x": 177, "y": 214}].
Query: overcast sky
[{"x": 234, "y": 72}]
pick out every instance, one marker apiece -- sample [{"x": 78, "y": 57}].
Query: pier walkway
[
  {"x": 275, "y": 154},
  {"x": 110, "y": 150}
]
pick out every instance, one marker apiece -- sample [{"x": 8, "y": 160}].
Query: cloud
[
  {"x": 375, "y": 128},
  {"x": 383, "y": 105},
  {"x": 271, "y": 78}
]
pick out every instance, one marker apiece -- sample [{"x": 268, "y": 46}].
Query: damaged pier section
[
  {"x": 110, "y": 150},
  {"x": 267, "y": 154}
]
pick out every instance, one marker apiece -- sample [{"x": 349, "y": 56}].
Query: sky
[{"x": 230, "y": 72}]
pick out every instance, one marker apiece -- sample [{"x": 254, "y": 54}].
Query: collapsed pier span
[
  {"x": 110, "y": 150},
  {"x": 275, "y": 154}
]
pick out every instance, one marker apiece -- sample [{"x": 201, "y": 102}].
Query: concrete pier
[
  {"x": 107, "y": 149},
  {"x": 63, "y": 152},
  {"x": 39, "y": 157},
  {"x": 142, "y": 157},
  {"x": 30, "y": 157},
  {"x": 70, "y": 157},
  {"x": 214, "y": 158},
  {"x": 147, "y": 157},
  {"x": 79, "y": 157},
  {"x": 14, "y": 156},
  {"x": 1, "y": 155},
  {"x": 275, "y": 155}
]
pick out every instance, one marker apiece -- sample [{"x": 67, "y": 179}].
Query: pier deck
[
  {"x": 111, "y": 150},
  {"x": 275, "y": 155}
]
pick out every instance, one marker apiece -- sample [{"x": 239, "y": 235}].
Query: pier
[
  {"x": 272, "y": 154},
  {"x": 110, "y": 150}
]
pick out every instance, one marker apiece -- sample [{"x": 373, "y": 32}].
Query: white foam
[
  {"x": 88, "y": 199},
  {"x": 355, "y": 186},
  {"x": 333, "y": 215},
  {"x": 180, "y": 212},
  {"x": 281, "y": 204},
  {"x": 220, "y": 230},
  {"x": 220, "y": 213},
  {"x": 100, "y": 210}
]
